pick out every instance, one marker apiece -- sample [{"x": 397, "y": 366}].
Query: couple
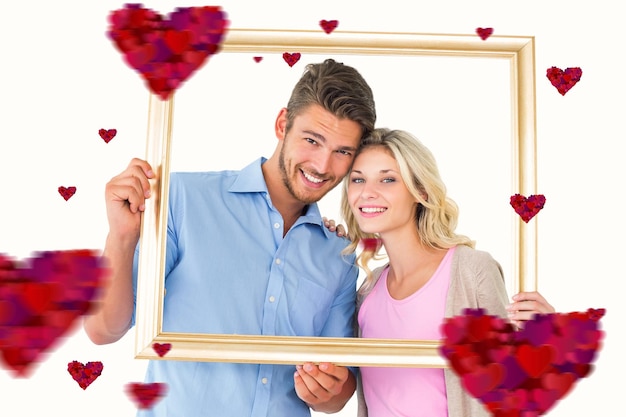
[{"x": 248, "y": 252}]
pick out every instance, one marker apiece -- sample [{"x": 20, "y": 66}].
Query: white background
[{"x": 63, "y": 80}]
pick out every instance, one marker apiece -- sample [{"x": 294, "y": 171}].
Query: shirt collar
[{"x": 251, "y": 180}]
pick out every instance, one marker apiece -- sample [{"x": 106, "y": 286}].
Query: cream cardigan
[{"x": 476, "y": 281}]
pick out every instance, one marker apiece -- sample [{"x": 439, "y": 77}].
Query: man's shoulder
[{"x": 200, "y": 178}]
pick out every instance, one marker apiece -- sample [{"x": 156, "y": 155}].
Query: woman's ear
[{"x": 280, "y": 126}]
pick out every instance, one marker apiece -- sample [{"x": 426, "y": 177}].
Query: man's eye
[
  {"x": 346, "y": 153},
  {"x": 311, "y": 141}
]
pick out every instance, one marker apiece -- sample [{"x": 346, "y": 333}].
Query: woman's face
[{"x": 378, "y": 197}]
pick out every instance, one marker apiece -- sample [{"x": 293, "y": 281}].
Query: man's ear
[{"x": 280, "y": 126}]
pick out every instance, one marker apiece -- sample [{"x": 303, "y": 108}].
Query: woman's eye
[
  {"x": 389, "y": 180},
  {"x": 357, "y": 180}
]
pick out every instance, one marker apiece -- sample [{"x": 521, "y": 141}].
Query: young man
[{"x": 248, "y": 253}]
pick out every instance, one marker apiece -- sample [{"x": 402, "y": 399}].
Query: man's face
[{"x": 316, "y": 153}]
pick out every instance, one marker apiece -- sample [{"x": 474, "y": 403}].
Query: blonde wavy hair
[{"x": 437, "y": 215}]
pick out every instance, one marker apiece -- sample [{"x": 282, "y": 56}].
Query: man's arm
[
  {"x": 125, "y": 198},
  {"x": 325, "y": 387}
]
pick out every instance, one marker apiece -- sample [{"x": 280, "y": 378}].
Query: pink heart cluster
[
  {"x": 521, "y": 373},
  {"x": 167, "y": 51},
  {"x": 40, "y": 300}
]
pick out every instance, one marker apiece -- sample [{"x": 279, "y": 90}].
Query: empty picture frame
[{"x": 515, "y": 58}]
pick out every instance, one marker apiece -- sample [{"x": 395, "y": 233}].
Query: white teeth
[
  {"x": 311, "y": 178},
  {"x": 373, "y": 209}
]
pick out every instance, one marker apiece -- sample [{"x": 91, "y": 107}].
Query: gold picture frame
[{"x": 517, "y": 50}]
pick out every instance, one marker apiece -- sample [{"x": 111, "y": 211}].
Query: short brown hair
[{"x": 338, "y": 88}]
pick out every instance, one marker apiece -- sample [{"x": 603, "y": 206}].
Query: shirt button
[
  {"x": 276, "y": 225},
  {"x": 264, "y": 381},
  {"x": 277, "y": 261},
  {"x": 272, "y": 299}
]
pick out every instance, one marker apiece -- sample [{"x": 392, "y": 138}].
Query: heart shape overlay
[
  {"x": 564, "y": 80},
  {"x": 527, "y": 207},
  {"x": 167, "y": 51},
  {"x": 161, "y": 348},
  {"x": 67, "y": 192},
  {"x": 107, "y": 135},
  {"x": 85, "y": 374},
  {"x": 145, "y": 395},
  {"x": 523, "y": 372},
  {"x": 329, "y": 25},
  {"x": 291, "y": 59},
  {"x": 484, "y": 33},
  {"x": 40, "y": 300}
]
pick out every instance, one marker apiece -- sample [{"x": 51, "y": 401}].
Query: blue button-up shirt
[{"x": 229, "y": 270}]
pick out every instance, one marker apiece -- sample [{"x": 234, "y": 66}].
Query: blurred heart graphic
[
  {"x": 521, "y": 372},
  {"x": 145, "y": 395},
  {"x": 166, "y": 51},
  {"x": 41, "y": 299},
  {"x": 484, "y": 33}
]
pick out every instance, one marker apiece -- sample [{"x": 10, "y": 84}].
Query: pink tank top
[{"x": 414, "y": 392}]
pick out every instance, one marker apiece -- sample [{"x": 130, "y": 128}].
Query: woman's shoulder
[{"x": 468, "y": 256}]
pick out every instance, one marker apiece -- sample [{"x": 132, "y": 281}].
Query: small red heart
[
  {"x": 161, "y": 348},
  {"x": 329, "y": 25},
  {"x": 145, "y": 395},
  {"x": 291, "y": 59},
  {"x": 67, "y": 193},
  {"x": 484, "y": 33},
  {"x": 257, "y": 58},
  {"x": 107, "y": 135},
  {"x": 527, "y": 207},
  {"x": 564, "y": 80},
  {"x": 84, "y": 374}
]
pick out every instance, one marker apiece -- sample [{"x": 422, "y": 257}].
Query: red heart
[
  {"x": 41, "y": 300},
  {"x": 534, "y": 376},
  {"x": 161, "y": 348},
  {"x": 291, "y": 59},
  {"x": 535, "y": 360},
  {"x": 67, "y": 193},
  {"x": 107, "y": 135},
  {"x": 145, "y": 395},
  {"x": 371, "y": 243},
  {"x": 527, "y": 207},
  {"x": 84, "y": 374},
  {"x": 167, "y": 51},
  {"x": 564, "y": 80},
  {"x": 484, "y": 33},
  {"x": 329, "y": 25},
  {"x": 257, "y": 58}
]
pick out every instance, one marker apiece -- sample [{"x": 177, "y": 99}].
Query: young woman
[{"x": 394, "y": 194}]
